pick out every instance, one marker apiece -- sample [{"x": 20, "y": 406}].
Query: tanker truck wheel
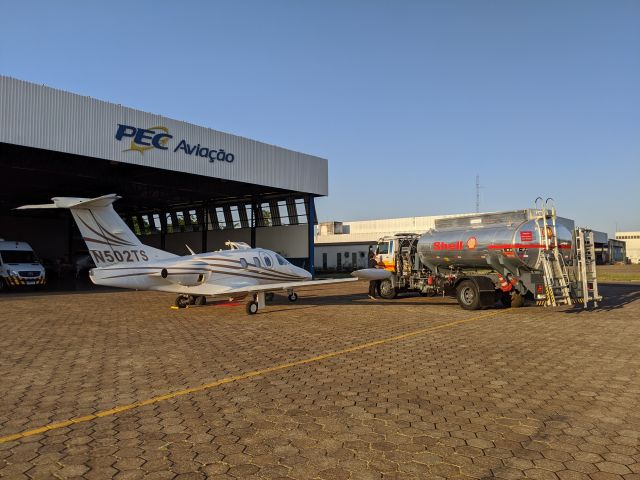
[
  {"x": 468, "y": 295},
  {"x": 387, "y": 290}
]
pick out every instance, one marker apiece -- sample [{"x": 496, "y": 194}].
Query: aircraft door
[{"x": 267, "y": 260}]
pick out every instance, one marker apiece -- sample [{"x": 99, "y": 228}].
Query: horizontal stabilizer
[{"x": 74, "y": 202}]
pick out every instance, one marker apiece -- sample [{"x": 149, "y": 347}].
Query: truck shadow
[{"x": 614, "y": 296}]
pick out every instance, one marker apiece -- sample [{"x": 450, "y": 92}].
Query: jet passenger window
[
  {"x": 256, "y": 261},
  {"x": 281, "y": 260},
  {"x": 267, "y": 261},
  {"x": 243, "y": 263}
]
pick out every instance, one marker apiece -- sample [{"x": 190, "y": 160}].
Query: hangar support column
[
  {"x": 311, "y": 214},
  {"x": 163, "y": 230},
  {"x": 254, "y": 216},
  {"x": 205, "y": 226}
]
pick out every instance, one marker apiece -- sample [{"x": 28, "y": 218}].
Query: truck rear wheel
[
  {"x": 387, "y": 290},
  {"x": 468, "y": 295}
]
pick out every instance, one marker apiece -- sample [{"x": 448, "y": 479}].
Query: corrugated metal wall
[{"x": 42, "y": 117}]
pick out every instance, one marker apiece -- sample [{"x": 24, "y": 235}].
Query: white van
[{"x": 19, "y": 265}]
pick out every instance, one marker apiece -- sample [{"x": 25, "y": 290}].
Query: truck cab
[
  {"x": 384, "y": 253},
  {"x": 392, "y": 249},
  {"x": 19, "y": 265}
]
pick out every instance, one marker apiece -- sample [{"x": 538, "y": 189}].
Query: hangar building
[{"x": 180, "y": 183}]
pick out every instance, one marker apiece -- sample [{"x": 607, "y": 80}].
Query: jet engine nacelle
[{"x": 184, "y": 277}]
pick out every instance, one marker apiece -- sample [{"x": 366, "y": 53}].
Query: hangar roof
[{"x": 92, "y": 131}]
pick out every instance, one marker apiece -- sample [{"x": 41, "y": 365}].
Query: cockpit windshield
[{"x": 281, "y": 260}]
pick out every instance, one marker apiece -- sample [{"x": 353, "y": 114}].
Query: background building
[
  {"x": 180, "y": 183},
  {"x": 632, "y": 244}
]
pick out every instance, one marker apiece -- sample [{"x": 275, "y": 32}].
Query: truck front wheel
[
  {"x": 468, "y": 295},
  {"x": 387, "y": 290}
]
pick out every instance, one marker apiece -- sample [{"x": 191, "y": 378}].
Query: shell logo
[
  {"x": 472, "y": 243},
  {"x": 549, "y": 232}
]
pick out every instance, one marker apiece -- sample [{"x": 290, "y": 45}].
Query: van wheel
[
  {"x": 387, "y": 290},
  {"x": 468, "y": 295}
]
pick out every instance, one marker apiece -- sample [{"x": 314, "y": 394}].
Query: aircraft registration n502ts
[{"x": 123, "y": 261}]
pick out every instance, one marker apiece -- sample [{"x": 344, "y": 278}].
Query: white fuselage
[{"x": 212, "y": 273}]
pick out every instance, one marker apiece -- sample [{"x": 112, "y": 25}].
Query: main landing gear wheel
[
  {"x": 252, "y": 308},
  {"x": 200, "y": 300},
  {"x": 468, "y": 295},
  {"x": 182, "y": 301},
  {"x": 293, "y": 296},
  {"x": 387, "y": 290}
]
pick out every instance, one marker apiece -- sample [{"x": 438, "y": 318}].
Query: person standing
[{"x": 374, "y": 285}]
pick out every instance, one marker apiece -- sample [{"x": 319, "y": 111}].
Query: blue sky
[{"x": 408, "y": 100}]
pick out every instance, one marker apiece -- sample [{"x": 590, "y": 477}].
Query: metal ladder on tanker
[
  {"x": 556, "y": 276},
  {"x": 586, "y": 267}
]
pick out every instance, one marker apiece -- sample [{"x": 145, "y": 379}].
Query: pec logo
[{"x": 143, "y": 139}]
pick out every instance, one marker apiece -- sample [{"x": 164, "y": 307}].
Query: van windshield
[{"x": 18, "y": 256}]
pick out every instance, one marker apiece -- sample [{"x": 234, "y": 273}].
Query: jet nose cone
[{"x": 304, "y": 274}]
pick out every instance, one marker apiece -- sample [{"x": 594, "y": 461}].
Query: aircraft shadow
[{"x": 362, "y": 299}]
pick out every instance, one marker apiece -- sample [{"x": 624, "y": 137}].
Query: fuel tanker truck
[{"x": 485, "y": 260}]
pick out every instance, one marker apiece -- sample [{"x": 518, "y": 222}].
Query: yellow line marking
[{"x": 236, "y": 378}]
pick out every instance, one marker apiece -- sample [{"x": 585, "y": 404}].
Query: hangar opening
[{"x": 182, "y": 186}]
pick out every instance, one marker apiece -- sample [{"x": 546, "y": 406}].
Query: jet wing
[{"x": 274, "y": 287}]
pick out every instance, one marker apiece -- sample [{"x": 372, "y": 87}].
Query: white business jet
[{"x": 123, "y": 261}]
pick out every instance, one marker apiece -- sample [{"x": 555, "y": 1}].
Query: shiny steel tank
[{"x": 510, "y": 239}]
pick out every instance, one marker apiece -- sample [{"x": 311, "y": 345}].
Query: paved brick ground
[{"x": 538, "y": 393}]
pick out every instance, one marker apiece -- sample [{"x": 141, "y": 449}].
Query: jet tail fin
[{"x": 108, "y": 238}]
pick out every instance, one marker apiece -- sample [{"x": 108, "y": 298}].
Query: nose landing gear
[
  {"x": 252, "y": 308},
  {"x": 257, "y": 301}
]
